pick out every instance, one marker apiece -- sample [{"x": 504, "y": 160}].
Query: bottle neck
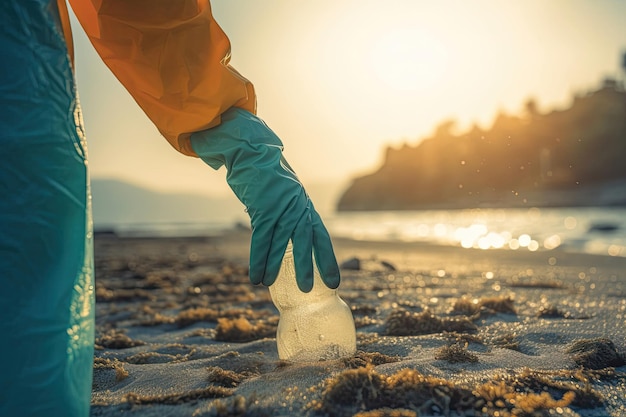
[{"x": 285, "y": 292}]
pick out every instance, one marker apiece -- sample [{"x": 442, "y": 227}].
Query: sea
[{"x": 593, "y": 230}]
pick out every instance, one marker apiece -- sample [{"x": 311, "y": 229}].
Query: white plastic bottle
[{"x": 313, "y": 326}]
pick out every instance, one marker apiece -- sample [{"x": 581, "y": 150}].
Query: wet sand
[{"x": 180, "y": 331}]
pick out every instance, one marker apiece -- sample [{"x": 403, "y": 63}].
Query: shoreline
[{"x": 235, "y": 243}]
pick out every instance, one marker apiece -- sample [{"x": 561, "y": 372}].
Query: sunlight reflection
[
  {"x": 552, "y": 242},
  {"x": 491, "y": 240},
  {"x": 528, "y": 230},
  {"x": 422, "y": 230},
  {"x": 570, "y": 222},
  {"x": 615, "y": 250},
  {"x": 524, "y": 240},
  {"x": 478, "y": 236},
  {"x": 440, "y": 229},
  {"x": 468, "y": 236}
]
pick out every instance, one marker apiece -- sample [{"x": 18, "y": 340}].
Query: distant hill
[
  {"x": 117, "y": 202},
  {"x": 569, "y": 157}
]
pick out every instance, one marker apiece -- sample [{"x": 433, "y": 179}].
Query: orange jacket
[{"x": 171, "y": 56}]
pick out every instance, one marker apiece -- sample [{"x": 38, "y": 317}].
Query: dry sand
[{"x": 440, "y": 331}]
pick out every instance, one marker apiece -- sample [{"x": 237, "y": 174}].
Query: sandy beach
[{"x": 441, "y": 331}]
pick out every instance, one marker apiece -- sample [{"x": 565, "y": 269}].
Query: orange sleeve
[
  {"x": 67, "y": 28},
  {"x": 172, "y": 57}
]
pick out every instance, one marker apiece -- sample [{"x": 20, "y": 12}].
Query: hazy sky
[{"x": 340, "y": 80}]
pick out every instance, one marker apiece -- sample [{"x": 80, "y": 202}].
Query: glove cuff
[{"x": 238, "y": 130}]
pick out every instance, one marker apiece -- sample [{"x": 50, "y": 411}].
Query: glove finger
[
  {"x": 260, "y": 245},
  {"x": 270, "y": 236},
  {"x": 275, "y": 259},
  {"x": 324, "y": 254},
  {"x": 303, "y": 252},
  {"x": 276, "y": 252},
  {"x": 283, "y": 231}
]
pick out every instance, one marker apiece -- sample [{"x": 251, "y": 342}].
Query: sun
[{"x": 407, "y": 60}]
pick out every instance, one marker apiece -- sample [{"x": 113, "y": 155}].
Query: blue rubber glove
[{"x": 279, "y": 208}]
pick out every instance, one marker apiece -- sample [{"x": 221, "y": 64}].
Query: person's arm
[{"x": 172, "y": 57}]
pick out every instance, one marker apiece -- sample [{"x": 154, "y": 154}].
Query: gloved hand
[{"x": 279, "y": 208}]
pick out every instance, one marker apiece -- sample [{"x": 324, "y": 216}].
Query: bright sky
[{"x": 338, "y": 81}]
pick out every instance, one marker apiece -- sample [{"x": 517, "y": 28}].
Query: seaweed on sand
[
  {"x": 561, "y": 382},
  {"x": 227, "y": 378},
  {"x": 100, "y": 364},
  {"x": 455, "y": 353},
  {"x": 501, "y": 399},
  {"x": 362, "y": 359},
  {"x": 596, "y": 353},
  {"x": 492, "y": 305},
  {"x": 241, "y": 330},
  {"x": 528, "y": 393},
  {"x": 116, "y": 339},
  {"x": 364, "y": 389},
  {"x": 405, "y": 323},
  {"x": 193, "y": 315}
]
